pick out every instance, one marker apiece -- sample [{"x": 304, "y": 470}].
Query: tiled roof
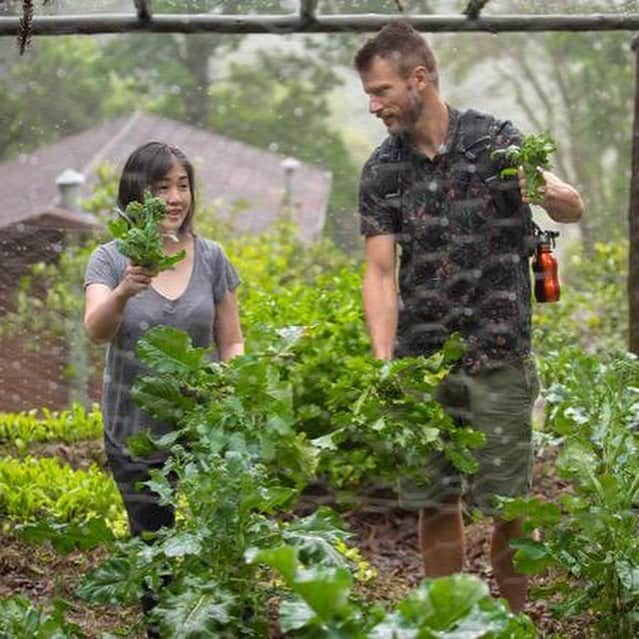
[{"x": 226, "y": 170}]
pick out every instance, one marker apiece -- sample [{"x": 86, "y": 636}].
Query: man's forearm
[
  {"x": 561, "y": 201},
  {"x": 381, "y": 308}
]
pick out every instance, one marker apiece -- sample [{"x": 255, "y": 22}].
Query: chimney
[{"x": 69, "y": 183}]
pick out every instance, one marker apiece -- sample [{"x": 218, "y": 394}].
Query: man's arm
[
  {"x": 380, "y": 294},
  {"x": 561, "y": 201}
]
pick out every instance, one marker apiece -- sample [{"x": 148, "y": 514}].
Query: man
[{"x": 432, "y": 190}]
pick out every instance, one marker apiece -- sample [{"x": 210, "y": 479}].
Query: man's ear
[{"x": 421, "y": 77}]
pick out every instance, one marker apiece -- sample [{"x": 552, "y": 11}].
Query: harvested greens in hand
[
  {"x": 533, "y": 157},
  {"x": 139, "y": 236}
]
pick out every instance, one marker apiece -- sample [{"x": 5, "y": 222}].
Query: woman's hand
[{"x": 135, "y": 280}]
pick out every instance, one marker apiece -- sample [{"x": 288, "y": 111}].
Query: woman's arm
[
  {"x": 104, "y": 306},
  {"x": 228, "y": 333}
]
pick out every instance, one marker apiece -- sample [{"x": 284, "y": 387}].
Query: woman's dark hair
[{"x": 148, "y": 164}]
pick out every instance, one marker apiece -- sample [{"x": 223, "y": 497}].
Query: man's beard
[{"x": 410, "y": 115}]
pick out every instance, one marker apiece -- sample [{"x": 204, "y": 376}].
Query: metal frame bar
[{"x": 308, "y": 22}]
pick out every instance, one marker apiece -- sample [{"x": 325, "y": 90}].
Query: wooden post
[{"x": 633, "y": 220}]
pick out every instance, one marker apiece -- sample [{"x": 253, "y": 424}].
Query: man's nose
[{"x": 374, "y": 105}]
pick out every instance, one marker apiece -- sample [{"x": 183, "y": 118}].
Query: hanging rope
[
  {"x": 25, "y": 24},
  {"x": 143, "y": 9},
  {"x": 474, "y": 7}
]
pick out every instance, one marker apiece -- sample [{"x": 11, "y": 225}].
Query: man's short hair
[{"x": 398, "y": 41}]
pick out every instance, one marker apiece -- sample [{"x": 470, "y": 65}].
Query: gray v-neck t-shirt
[{"x": 212, "y": 277}]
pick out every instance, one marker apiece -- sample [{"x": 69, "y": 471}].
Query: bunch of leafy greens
[
  {"x": 533, "y": 157},
  {"x": 138, "y": 234}
]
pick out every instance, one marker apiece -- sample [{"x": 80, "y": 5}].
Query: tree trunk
[{"x": 633, "y": 220}]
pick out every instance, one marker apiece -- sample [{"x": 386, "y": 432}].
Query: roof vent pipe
[
  {"x": 69, "y": 183},
  {"x": 290, "y": 166}
]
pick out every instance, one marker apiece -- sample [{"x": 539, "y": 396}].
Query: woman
[{"x": 197, "y": 295}]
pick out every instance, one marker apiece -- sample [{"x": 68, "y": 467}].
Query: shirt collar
[{"x": 406, "y": 144}]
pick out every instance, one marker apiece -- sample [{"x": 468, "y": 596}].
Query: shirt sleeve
[
  {"x": 102, "y": 269},
  {"x": 379, "y": 199},
  {"x": 225, "y": 277}
]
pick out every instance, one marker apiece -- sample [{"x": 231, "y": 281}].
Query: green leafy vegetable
[
  {"x": 139, "y": 237},
  {"x": 533, "y": 156}
]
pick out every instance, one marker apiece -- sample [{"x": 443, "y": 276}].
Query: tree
[
  {"x": 177, "y": 68},
  {"x": 580, "y": 87},
  {"x": 280, "y": 102},
  {"x": 60, "y": 87}
]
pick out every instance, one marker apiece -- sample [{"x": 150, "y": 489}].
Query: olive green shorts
[{"x": 499, "y": 403}]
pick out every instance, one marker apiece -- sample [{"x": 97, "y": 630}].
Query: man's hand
[{"x": 561, "y": 201}]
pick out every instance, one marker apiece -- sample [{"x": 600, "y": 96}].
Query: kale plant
[
  {"x": 533, "y": 157},
  {"x": 138, "y": 235}
]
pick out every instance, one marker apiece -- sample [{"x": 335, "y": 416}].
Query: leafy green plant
[
  {"x": 533, "y": 157},
  {"x": 33, "y": 489},
  {"x": 243, "y": 465},
  {"x": 238, "y": 462},
  {"x": 20, "y": 619},
  {"x": 139, "y": 237},
  {"x": 321, "y": 607},
  {"x": 74, "y": 424},
  {"x": 590, "y": 536},
  {"x": 384, "y": 418}
]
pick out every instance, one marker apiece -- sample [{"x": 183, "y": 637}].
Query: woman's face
[{"x": 174, "y": 190}]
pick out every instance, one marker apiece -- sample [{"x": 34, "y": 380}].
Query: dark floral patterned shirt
[{"x": 465, "y": 239}]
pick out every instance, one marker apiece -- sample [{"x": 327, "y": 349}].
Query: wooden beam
[
  {"x": 207, "y": 23},
  {"x": 633, "y": 221}
]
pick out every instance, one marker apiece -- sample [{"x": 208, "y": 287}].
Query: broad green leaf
[
  {"x": 182, "y": 544},
  {"x": 112, "y": 582},
  {"x": 294, "y": 614},
  {"x": 325, "y": 590},
  {"x": 540, "y": 513},
  {"x": 629, "y": 576},
  {"x": 66, "y": 537},
  {"x": 162, "y": 398},
  {"x": 531, "y": 556},
  {"x": 169, "y": 351},
  {"x": 283, "y": 559},
  {"x": 315, "y": 537},
  {"x": 441, "y": 603},
  {"x": 197, "y": 611}
]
